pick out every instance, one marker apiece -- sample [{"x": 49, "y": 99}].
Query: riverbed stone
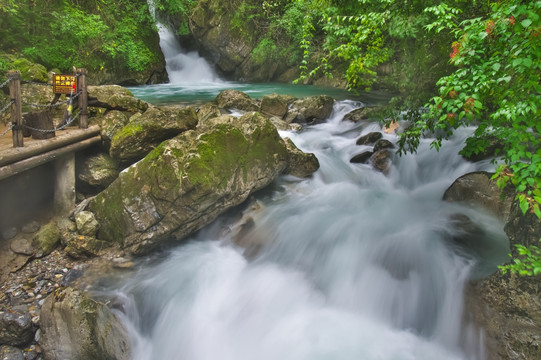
[
  {"x": 74, "y": 326},
  {"x": 186, "y": 182},
  {"x": 84, "y": 246},
  {"x": 16, "y": 327},
  {"x": 86, "y": 223},
  {"x": 361, "y": 158},
  {"x": 11, "y": 353},
  {"x": 22, "y": 245},
  {"x": 144, "y": 132},
  {"x": 30, "y": 227},
  {"x": 383, "y": 144},
  {"x": 381, "y": 160},
  {"x": 360, "y": 114},
  {"x": 9, "y": 233},
  {"x": 369, "y": 138}
]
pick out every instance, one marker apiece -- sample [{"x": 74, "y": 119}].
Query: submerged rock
[
  {"x": 369, "y": 138},
  {"x": 361, "y": 158},
  {"x": 74, "y": 326},
  {"x": 381, "y": 160},
  {"x": 360, "y": 114},
  {"x": 186, "y": 182}
]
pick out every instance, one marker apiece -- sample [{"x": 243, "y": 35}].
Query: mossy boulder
[
  {"x": 111, "y": 123},
  {"x": 74, "y": 326},
  {"x": 30, "y": 71},
  {"x": 46, "y": 239},
  {"x": 115, "y": 97},
  {"x": 144, "y": 132},
  {"x": 186, "y": 182}
]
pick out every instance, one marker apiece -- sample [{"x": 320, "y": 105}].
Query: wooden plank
[
  {"x": 16, "y": 107},
  {"x": 23, "y": 165},
  {"x": 83, "y": 99},
  {"x": 63, "y": 138}
]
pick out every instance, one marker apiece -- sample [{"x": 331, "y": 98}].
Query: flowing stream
[
  {"x": 352, "y": 264},
  {"x": 355, "y": 265}
]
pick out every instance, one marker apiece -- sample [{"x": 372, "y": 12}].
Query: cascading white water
[
  {"x": 357, "y": 265},
  {"x": 182, "y": 67}
]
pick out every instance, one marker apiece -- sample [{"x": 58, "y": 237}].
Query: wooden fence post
[
  {"x": 14, "y": 77},
  {"x": 83, "y": 99}
]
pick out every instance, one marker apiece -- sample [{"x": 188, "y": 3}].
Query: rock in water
[
  {"x": 186, "y": 182},
  {"x": 74, "y": 326}
]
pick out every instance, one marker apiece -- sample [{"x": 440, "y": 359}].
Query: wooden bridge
[{"x": 19, "y": 154}]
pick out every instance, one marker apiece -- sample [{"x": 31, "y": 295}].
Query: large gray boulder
[
  {"x": 312, "y": 109},
  {"x": 506, "y": 306},
  {"x": 145, "y": 131},
  {"x": 479, "y": 190},
  {"x": 74, "y": 326},
  {"x": 98, "y": 171},
  {"x": 186, "y": 182},
  {"x": 300, "y": 164},
  {"x": 234, "y": 99},
  {"x": 276, "y": 104}
]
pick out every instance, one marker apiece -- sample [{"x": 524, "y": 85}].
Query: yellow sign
[{"x": 64, "y": 84}]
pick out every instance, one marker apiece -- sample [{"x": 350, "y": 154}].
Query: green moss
[
  {"x": 47, "y": 239},
  {"x": 130, "y": 130},
  {"x": 109, "y": 211},
  {"x": 219, "y": 155}
]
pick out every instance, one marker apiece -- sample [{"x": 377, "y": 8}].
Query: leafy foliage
[
  {"x": 528, "y": 263},
  {"x": 92, "y": 34},
  {"x": 496, "y": 88}
]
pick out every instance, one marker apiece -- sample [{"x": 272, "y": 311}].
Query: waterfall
[
  {"x": 183, "y": 68},
  {"x": 356, "y": 265}
]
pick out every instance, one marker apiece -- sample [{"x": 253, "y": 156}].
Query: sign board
[{"x": 64, "y": 84}]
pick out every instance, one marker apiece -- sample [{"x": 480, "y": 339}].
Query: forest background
[{"x": 452, "y": 63}]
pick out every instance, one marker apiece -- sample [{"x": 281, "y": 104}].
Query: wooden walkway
[{"x": 37, "y": 152}]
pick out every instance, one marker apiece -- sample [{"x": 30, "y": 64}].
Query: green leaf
[
  {"x": 526, "y": 22},
  {"x": 496, "y": 66},
  {"x": 524, "y": 206}
]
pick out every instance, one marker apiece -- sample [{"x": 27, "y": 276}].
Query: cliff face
[{"x": 230, "y": 46}]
